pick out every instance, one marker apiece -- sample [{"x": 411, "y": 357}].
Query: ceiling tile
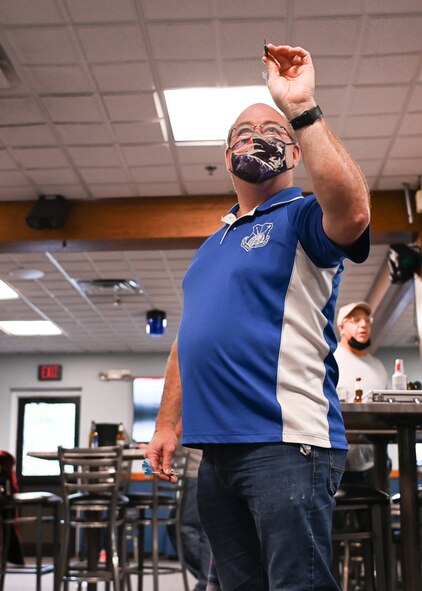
[
  {"x": 6, "y": 162},
  {"x": 132, "y": 107},
  {"x": 172, "y": 40},
  {"x": 322, "y": 35},
  {"x": 393, "y": 35},
  {"x": 158, "y": 189},
  {"x": 151, "y": 174},
  {"x": 28, "y": 12},
  {"x": 238, "y": 39},
  {"x": 402, "y": 166},
  {"x": 415, "y": 103},
  {"x": 83, "y": 11},
  {"x": 105, "y": 175},
  {"x": 189, "y": 73},
  {"x": 28, "y": 135},
  {"x": 123, "y": 77},
  {"x": 84, "y": 133},
  {"x": 139, "y": 133},
  {"x": 411, "y": 124},
  {"x": 251, "y": 8},
  {"x": 19, "y": 110},
  {"x": 407, "y": 147},
  {"x": 9, "y": 178},
  {"x": 58, "y": 176},
  {"x": 147, "y": 155},
  {"x": 370, "y": 125},
  {"x": 73, "y": 109},
  {"x": 385, "y": 99},
  {"x": 370, "y": 148},
  {"x": 40, "y": 157},
  {"x": 88, "y": 156},
  {"x": 183, "y": 9},
  {"x": 61, "y": 79},
  {"x": 391, "y": 6},
  {"x": 379, "y": 69},
  {"x": 112, "y": 190},
  {"x": 43, "y": 45},
  {"x": 112, "y": 43}
]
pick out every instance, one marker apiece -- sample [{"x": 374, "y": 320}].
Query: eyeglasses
[
  {"x": 357, "y": 319},
  {"x": 244, "y": 131}
]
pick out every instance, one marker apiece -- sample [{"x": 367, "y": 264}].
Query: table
[{"x": 382, "y": 422}]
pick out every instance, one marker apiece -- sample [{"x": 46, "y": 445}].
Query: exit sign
[{"x": 49, "y": 372}]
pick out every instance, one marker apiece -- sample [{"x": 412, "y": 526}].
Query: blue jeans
[{"x": 267, "y": 512}]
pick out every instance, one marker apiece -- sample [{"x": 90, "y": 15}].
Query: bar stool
[
  {"x": 161, "y": 507},
  {"x": 93, "y": 503},
  {"x": 361, "y": 516},
  {"x": 395, "y": 518},
  {"x": 19, "y": 509}
]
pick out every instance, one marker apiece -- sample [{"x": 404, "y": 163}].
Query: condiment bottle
[
  {"x": 358, "y": 390},
  {"x": 93, "y": 435},
  {"x": 399, "y": 378},
  {"x": 120, "y": 438}
]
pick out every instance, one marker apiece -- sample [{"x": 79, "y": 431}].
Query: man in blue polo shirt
[{"x": 254, "y": 354}]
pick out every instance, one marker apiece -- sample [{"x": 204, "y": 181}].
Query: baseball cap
[{"x": 348, "y": 309}]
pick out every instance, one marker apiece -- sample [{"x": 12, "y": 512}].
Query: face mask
[
  {"x": 258, "y": 159},
  {"x": 359, "y": 346}
]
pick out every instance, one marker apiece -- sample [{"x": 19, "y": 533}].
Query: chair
[
  {"x": 161, "y": 507},
  {"x": 361, "y": 534},
  {"x": 396, "y": 527},
  {"x": 94, "y": 505},
  {"x": 18, "y": 509}
]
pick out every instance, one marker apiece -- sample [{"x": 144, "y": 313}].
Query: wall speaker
[{"x": 49, "y": 213}]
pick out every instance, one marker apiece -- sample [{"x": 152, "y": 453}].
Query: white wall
[
  {"x": 108, "y": 402},
  {"x": 112, "y": 401}
]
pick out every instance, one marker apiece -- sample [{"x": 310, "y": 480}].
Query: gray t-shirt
[{"x": 373, "y": 375}]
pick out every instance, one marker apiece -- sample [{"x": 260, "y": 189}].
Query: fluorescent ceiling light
[
  {"x": 206, "y": 114},
  {"x": 29, "y": 327},
  {"x": 6, "y": 292}
]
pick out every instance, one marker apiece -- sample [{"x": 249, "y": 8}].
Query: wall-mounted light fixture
[{"x": 156, "y": 323}]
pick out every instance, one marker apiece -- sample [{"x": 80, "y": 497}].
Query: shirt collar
[{"x": 284, "y": 196}]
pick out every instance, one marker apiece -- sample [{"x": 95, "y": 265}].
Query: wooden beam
[{"x": 164, "y": 222}]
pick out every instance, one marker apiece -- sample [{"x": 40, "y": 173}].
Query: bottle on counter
[
  {"x": 93, "y": 435},
  {"x": 120, "y": 437},
  {"x": 399, "y": 378},
  {"x": 358, "y": 390}
]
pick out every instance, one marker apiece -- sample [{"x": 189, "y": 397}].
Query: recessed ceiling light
[
  {"x": 29, "y": 327},
  {"x": 27, "y": 274},
  {"x": 6, "y": 292},
  {"x": 206, "y": 114}
]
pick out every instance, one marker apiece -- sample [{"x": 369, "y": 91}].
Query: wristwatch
[{"x": 306, "y": 118}]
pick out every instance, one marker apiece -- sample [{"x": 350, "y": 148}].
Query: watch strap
[{"x": 306, "y": 118}]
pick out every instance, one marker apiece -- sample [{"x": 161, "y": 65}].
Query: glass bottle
[
  {"x": 358, "y": 390},
  {"x": 120, "y": 438},
  {"x": 399, "y": 378},
  {"x": 93, "y": 435}
]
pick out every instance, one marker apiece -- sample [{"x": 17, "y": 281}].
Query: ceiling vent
[{"x": 110, "y": 287}]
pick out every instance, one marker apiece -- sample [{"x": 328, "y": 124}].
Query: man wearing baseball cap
[{"x": 354, "y": 322}]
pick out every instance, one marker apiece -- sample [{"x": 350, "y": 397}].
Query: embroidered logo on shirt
[{"x": 259, "y": 237}]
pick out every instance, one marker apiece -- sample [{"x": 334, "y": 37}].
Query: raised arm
[
  {"x": 161, "y": 448},
  {"x": 337, "y": 180}
]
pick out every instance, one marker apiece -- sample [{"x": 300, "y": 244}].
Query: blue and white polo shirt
[{"x": 256, "y": 338}]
